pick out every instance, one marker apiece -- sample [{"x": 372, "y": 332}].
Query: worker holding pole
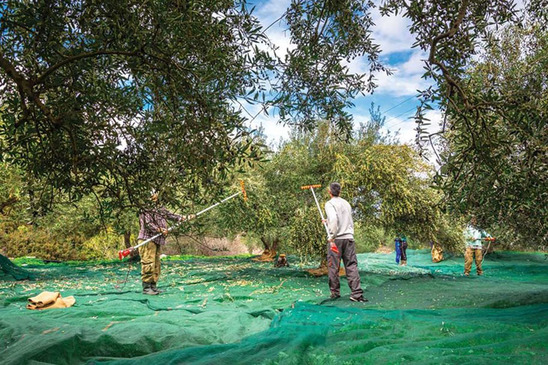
[
  {"x": 340, "y": 237},
  {"x": 152, "y": 235},
  {"x": 152, "y": 222},
  {"x": 341, "y": 244},
  {"x": 474, "y": 246}
]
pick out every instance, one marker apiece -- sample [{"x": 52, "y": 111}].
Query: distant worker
[
  {"x": 403, "y": 241},
  {"x": 341, "y": 244},
  {"x": 282, "y": 261},
  {"x": 397, "y": 247},
  {"x": 153, "y": 221},
  {"x": 474, "y": 247}
]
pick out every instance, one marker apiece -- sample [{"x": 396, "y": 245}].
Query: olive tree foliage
[
  {"x": 258, "y": 218},
  {"x": 124, "y": 95},
  {"x": 488, "y": 62},
  {"x": 504, "y": 179},
  {"x": 278, "y": 212},
  {"x": 387, "y": 185},
  {"x": 11, "y": 187},
  {"x": 390, "y": 187},
  {"x": 118, "y": 97},
  {"x": 314, "y": 81},
  {"x": 321, "y": 152},
  {"x": 75, "y": 230},
  {"x": 275, "y": 197}
]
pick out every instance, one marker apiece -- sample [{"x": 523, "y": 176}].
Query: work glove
[{"x": 333, "y": 247}]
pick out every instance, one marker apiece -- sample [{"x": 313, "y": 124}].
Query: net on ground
[{"x": 234, "y": 310}]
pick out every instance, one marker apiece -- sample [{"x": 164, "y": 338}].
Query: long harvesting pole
[{"x": 127, "y": 251}]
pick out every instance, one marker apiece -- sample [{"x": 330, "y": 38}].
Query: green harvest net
[
  {"x": 9, "y": 269},
  {"x": 236, "y": 311}
]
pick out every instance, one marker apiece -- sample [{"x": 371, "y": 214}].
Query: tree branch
[
  {"x": 10, "y": 70},
  {"x": 8, "y": 203},
  {"x": 80, "y": 56},
  {"x": 433, "y": 47},
  {"x": 25, "y": 88}
]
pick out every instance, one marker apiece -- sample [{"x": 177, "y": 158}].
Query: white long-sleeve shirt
[
  {"x": 339, "y": 218},
  {"x": 474, "y": 237}
]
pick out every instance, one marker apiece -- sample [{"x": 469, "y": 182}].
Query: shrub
[
  {"x": 369, "y": 238},
  {"x": 103, "y": 246},
  {"x": 40, "y": 242}
]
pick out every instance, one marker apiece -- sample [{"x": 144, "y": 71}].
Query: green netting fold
[
  {"x": 313, "y": 334},
  {"x": 9, "y": 268}
]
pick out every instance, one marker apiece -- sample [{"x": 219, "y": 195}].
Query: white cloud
[
  {"x": 407, "y": 126},
  {"x": 269, "y": 14},
  {"x": 397, "y": 85},
  {"x": 415, "y": 64},
  {"x": 277, "y": 36},
  {"x": 407, "y": 132},
  {"x": 257, "y": 119},
  {"x": 274, "y": 130},
  {"x": 391, "y": 32},
  {"x": 406, "y": 78},
  {"x": 269, "y": 11}
]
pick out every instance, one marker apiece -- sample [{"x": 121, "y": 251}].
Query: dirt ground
[{"x": 209, "y": 246}]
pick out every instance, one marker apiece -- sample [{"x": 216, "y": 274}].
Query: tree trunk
[
  {"x": 127, "y": 239},
  {"x": 32, "y": 205},
  {"x": 134, "y": 254},
  {"x": 274, "y": 247},
  {"x": 269, "y": 250}
]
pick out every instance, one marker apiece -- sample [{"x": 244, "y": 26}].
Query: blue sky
[{"x": 396, "y": 94}]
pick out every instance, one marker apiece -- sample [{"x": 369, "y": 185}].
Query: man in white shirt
[
  {"x": 341, "y": 245},
  {"x": 474, "y": 247}
]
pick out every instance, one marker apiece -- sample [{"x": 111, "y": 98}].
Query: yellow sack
[
  {"x": 437, "y": 253},
  {"x": 48, "y": 300}
]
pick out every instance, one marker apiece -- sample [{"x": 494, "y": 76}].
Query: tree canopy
[
  {"x": 117, "y": 98},
  {"x": 488, "y": 61},
  {"x": 499, "y": 172},
  {"x": 125, "y": 96}
]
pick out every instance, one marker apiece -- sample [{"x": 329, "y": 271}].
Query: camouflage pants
[
  {"x": 150, "y": 262},
  {"x": 469, "y": 256}
]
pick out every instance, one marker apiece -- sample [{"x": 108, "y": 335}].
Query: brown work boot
[{"x": 147, "y": 289}]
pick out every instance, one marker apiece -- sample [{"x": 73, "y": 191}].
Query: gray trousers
[{"x": 347, "y": 251}]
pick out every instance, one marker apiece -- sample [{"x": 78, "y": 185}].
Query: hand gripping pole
[
  {"x": 127, "y": 251},
  {"x": 490, "y": 240}
]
